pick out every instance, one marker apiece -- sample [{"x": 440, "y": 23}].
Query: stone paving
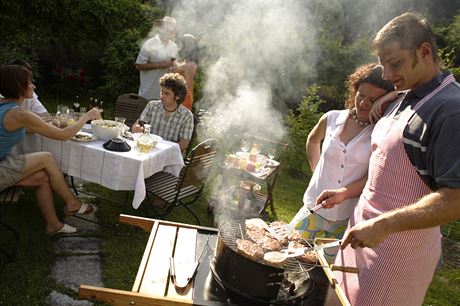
[{"x": 78, "y": 261}]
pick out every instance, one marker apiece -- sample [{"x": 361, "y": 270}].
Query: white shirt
[
  {"x": 339, "y": 165},
  {"x": 33, "y": 105},
  {"x": 154, "y": 50}
]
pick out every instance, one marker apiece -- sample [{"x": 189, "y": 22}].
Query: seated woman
[
  {"x": 38, "y": 169},
  {"x": 343, "y": 159}
]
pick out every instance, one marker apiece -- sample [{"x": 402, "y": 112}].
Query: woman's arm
[
  {"x": 379, "y": 106},
  {"x": 18, "y": 118},
  {"x": 313, "y": 144},
  {"x": 332, "y": 197}
]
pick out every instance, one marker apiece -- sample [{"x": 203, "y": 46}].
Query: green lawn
[{"x": 26, "y": 282}]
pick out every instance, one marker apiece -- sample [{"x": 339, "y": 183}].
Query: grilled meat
[
  {"x": 309, "y": 257},
  {"x": 249, "y": 249}
]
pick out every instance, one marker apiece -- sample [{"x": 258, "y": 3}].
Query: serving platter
[{"x": 83, "y": 137}]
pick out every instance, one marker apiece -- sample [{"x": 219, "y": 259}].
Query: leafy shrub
[{"x": 300, "y": 124}]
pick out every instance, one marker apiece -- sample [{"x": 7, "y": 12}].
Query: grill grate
[{"x": 232, "y": 230}]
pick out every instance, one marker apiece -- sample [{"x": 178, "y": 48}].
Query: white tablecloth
[{"x": 114, "y": 170}]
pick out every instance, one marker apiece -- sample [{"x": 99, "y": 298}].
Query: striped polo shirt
[
  {"x": 175, "y": 127},
  {"x": 432, "y": 137}
]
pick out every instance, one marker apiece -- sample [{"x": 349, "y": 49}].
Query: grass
[{"x": 26, "y": 281}]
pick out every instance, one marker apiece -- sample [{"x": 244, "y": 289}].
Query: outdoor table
[
  {"x": 115, "y": 170},
  {"x": 267, "y": 177}
]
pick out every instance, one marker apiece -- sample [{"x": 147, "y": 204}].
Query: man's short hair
[
  {"x": 410, "y": 30},
  {"x": 14, "y": 81},
  {"x": 168, "y": 23},
  {"x": 176, "y": 83}
]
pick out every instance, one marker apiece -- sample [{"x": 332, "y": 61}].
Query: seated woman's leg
[
  {"x": 44, "y": 195},
  {"x": 44, "y": 161}
]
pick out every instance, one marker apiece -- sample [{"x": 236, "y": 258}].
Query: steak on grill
[
  {"x": 262, "y": 238},
  {"x": 249, "y": 249},
  {"x": 309, "y": 257}
]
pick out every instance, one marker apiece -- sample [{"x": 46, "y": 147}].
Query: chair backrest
[
  {"x": 198, "y": 164},
  {"x": 130, "y": 106}
]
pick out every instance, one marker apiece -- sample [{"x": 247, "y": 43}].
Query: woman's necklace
[{"x": 355, "y": 117}]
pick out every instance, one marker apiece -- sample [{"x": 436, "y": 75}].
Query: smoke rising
[{"x": 249, "y": 49}]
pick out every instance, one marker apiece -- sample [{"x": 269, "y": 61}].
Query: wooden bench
[{"x": 10, "y": 196}]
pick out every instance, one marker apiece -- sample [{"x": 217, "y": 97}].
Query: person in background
[
  {"x": 156, "y": 57},
  {"x": 168, "y": 117},
  {"x": 343, "y": 158},
  {"x": 33, "y": 104},
  {"x": 414, "y": 174},
  {"x": 38, "y": 169},
  {"x": 189, "y": 55}
]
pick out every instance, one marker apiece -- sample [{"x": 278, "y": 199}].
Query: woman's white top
[{"x": 339, "y": 165}]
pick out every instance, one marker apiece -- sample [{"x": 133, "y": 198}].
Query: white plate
[
  {"x": 271, "y": 163},
  {"x": 83, "y": 137}
]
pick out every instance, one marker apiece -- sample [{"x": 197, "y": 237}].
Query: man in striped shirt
[
  {"x": 168, "y": 117},
  {"x": 414, "y": 174}
]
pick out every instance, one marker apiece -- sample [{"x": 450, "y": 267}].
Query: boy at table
[{"x": 168, "y": 117}]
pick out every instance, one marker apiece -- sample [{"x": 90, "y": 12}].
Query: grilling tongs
[{"x": 188, "y": 271}]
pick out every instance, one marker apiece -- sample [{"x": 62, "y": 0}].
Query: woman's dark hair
[
  {"x": 176, "y": 83},
  {"x": 368, "y": 73},
  {"x": 189, "y": 49},
  {"x": 14, "y": 81}
]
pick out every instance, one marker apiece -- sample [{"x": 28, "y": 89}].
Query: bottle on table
[
  {"x": 145, "y": 141},
  {"x": 254, "y": 152},
  {"x": 76, "y": 105}
]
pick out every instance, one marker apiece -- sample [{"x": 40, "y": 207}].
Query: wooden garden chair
[
  {"x": 174, "y": 190},
  {"x": 130, "y": 106}
]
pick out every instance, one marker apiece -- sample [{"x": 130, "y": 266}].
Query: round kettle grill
[{"x": 253, "y": 279}]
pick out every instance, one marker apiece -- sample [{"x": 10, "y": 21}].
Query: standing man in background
[{"x": 155, "y": 58}]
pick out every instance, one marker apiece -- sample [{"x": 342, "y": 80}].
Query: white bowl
[
  {"x": 105, "y": 129},
  {"x": 156, "y": 138}
]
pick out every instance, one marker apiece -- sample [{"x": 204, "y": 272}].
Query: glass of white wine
[
  {"x": 271, "y": 153},
  {"x": 244, "y": 145}
]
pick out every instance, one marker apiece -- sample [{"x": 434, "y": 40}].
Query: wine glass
[
  {"x": 271, "y": 153},
  {"x": 244, "y": 145},
  {"x": 120, "y": 126}
]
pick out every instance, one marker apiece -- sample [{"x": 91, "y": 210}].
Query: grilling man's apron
[{"x": 398, "y": 271}]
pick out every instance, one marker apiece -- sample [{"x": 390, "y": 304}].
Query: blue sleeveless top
[{"x": 8, "y": 139}]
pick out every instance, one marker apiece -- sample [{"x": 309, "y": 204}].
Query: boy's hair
[
  {"x": 14, "y": 81},
  {"x": 176, "y": 83},
  {"x": 410, "y": 30},
  {"x": 368, "y": 73}
]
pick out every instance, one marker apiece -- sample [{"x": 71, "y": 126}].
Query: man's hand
[
  {"x": 137, "y": 128},
  {"x": 368, "y": 234},
  {"x": 331, "y": 197}
]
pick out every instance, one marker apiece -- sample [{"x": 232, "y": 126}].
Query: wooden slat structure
[
  {"x": 10, "y": 195},
  {"x": 152, "y": 285},
  {"x": 130, "y": 106},
  {"x": 174, "y": 190}
]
